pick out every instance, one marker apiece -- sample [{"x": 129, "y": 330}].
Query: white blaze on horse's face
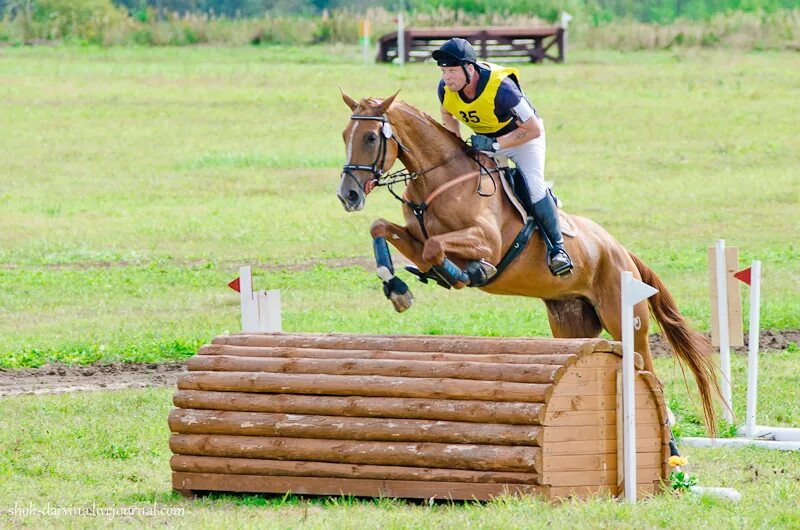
[
  {"x": 362, "y": 142},
  {"x": 368, "y": 151}
]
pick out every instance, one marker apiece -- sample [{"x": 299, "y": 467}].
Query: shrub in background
[
  {"x": 100, "y": 22},
  {"x": 739, "y": 30},
  {"x": 80, "y": 20}
]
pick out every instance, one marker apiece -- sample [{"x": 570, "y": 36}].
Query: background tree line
[
  {"x": 614, "y": 24},
  {"x": 658, "y": 11}
]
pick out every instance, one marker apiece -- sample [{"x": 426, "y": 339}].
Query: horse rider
[{"x": 489, "y": 100}]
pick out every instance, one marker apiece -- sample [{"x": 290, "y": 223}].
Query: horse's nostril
[{"x": 352, "y": 196}]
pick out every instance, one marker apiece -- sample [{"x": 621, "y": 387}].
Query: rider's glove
[{"x": 483, "y": 143}]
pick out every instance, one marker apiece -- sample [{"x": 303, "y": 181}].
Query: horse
[{"x": 453, "y": 218}]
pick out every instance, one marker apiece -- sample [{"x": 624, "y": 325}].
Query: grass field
[
  {"x": 110, "y": 450},
  {"x": 136, "y": 181}
]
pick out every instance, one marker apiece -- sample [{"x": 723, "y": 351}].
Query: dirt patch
[
  {"x": 58, "y": 378},
  {"x": 768, "y": 340},
  {"x": 333, "y": 263}
]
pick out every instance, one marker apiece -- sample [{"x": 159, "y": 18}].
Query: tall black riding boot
[{"x": 546, "y": 214}]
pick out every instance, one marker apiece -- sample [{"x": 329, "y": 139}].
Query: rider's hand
[{"x": 483, "y": 143}]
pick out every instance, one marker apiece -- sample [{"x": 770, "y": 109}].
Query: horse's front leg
[
  {"x": 469, "y": 244},
  {"x": 394, "y": 288}
]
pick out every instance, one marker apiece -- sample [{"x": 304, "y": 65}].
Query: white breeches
[{"x": 529, "y": 159}]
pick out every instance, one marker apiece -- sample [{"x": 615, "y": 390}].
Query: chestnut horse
[{"x": 462, "y": 224}]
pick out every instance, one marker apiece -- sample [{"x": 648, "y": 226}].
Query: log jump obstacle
[{"x": 412, "y": 417}]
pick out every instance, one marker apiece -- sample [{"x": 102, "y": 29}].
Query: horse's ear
[
  {"x": 386, "y": 103},
  {"x": 348, "y": 100}
]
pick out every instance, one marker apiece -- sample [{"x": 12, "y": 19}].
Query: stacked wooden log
[{"x": 404, "y": 416}]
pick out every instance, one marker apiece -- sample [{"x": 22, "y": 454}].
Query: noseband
[{"x": 380, "y": 158}]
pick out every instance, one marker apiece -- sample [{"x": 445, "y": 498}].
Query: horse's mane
[
  {"x": 411, "y": 110},
  {"x": 445, "y": 134}
]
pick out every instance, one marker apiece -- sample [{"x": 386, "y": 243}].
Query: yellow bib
[{"x": 479, "y": 115}]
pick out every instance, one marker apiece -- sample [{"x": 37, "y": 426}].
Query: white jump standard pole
[
  {"x": 751, "y": 434},
  {"x": 724, "y": 338},
  {"x": 401, "y": 39},
  {"x": 752, "y": 353},
  {"x": 781, "y": 437},
  {"x": 633, "y": 292}
]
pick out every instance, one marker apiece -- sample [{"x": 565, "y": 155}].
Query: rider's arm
[
  {"x": 450, "y": 123},
  {"x": 527, "y": 131},
  {"x": 511, "y": 102},
  {"x": 528, "y": 126}
]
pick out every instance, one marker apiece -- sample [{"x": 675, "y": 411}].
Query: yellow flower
[{"x": 677, "y": 461}]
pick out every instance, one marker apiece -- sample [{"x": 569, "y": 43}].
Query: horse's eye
[{"x": 371, "y": 137}]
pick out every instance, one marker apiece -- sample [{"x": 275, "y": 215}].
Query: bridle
[
  {"x": 376, "y": 168},
  {"x": 404, "y": 176}
]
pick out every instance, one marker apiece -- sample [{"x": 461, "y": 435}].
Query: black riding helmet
[{"x": 456, "y": 52}]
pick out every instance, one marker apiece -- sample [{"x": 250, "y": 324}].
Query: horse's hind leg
[
  {"x": 573, "y": 318},
  {"x": 610, "y": 312}
]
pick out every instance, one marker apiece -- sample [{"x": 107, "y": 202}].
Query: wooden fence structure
[{"x": 496, "y": 43}]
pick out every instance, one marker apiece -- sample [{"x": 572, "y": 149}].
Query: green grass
[
  {"x": 139, "y": 180},
  {"x": 110, "y": 450}
]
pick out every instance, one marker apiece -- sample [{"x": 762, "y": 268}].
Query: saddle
[{"x": 511, "y": 187}]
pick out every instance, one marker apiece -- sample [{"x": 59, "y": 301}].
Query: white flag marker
[
  {"x": 249, "y": 302},
  {"x": 633, "y": 292},
  {"x": 261, "y": 310}
]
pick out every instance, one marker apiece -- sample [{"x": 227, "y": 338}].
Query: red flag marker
[
  {"x": 235, "y": 285},
  {"x": 743, "y": 275}
]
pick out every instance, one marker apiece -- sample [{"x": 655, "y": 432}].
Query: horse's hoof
[{"x": 401, "y": 302}]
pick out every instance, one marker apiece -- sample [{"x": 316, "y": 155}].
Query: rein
[{"x": 419, "y": 209}]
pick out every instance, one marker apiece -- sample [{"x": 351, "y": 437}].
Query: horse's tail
[{"x": 692, "y": 348}]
